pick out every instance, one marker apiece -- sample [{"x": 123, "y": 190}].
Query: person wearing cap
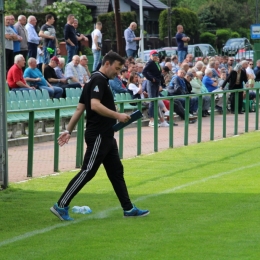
[
  {"x": 153, "y": 74},
  {"x": 33, "y": 75},
  {"x": 235, "y": 79},
  {"x": 131, "y": 40},
  {"x": 51, "y": 77}
]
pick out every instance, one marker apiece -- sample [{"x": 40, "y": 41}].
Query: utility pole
[
  {"x": 169, "y": 24},
  {"x": 119, "y": 38}
]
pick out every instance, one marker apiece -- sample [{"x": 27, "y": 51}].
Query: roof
[
  {"x": 102, "y": 7},
  {"x": 90, "y": 3},
  {"x": 157, "y": 4},
  {"x": 147, "y": 4}
]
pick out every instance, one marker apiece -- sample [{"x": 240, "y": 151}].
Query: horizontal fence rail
[{"x": 120, "y": 105}]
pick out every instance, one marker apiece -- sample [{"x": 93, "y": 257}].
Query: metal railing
[{"x": 80, "y": 125}]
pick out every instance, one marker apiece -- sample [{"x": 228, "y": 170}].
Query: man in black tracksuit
[{"x": 97, "y": 99}]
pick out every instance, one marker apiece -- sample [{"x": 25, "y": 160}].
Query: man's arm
[
  {"x": 66, "y": 36},
  {"x": 96, "y": 41},
  {"x": 41, "y": 34},
  {"x": 104, "y": 111},
  {"x": 65, "y": 136}
]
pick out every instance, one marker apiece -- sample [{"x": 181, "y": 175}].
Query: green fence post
[
  {"x": 224, "y": 110},
  {"x": 199, "y": 118},
  {"x": 247, "y": 110},
  {"x": 212, "y": 116},
  {"x": 56, "y": 136},
  {"x": 236, "y": 113},
  {"x": 171, "y": 121},
  {"x": 187, "y": 113},
  {"x": 30, "y": 144},
  {"x": 139, "y": 130},
  {"x": 121, "y": 134},
  {"x": 80, "y": 142},
  {"x": 257, "y": 110},
  {"x": 155, "y": 102}
]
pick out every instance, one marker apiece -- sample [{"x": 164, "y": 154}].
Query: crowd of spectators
[{"x": 46, "y": 70}]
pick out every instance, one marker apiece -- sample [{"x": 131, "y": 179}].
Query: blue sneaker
[
  {"x": 135, "y": 212},
  {"x": 61, "y": 213}
]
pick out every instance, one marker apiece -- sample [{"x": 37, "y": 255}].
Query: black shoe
[
  {"x": 232, "y": 112},
  {"x": 240, "y": 112},
  {"x": 174, "y": 124},
  {"x": 204, "y": 114},
  {"x": 207, "y": 113}
]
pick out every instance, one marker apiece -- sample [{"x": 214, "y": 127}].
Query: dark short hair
[
  {"x": 111, "y": 57},
  {"x": 48, "y": 17},
  {"x": 123, "y": 70},
  {"x": 165, "y": 68}
]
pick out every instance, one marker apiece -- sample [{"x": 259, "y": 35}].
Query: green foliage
[
  {"x": 86, "y": 51},
  {"x": 223, "y": 35},
  {"x": 235, "y": 35},
  {"x": 208, "y": 37},
  {"x": 14, "y": 5},
  {"x": 62, "y": 9},
  {"x": 182, "y": 16},
  {"x": 244, "y": 32},
  {"x": 35, "y": 6},
  {"x": 108, "y": 24}
]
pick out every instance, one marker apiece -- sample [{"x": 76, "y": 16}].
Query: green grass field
[{"x": 204, "y": 202}]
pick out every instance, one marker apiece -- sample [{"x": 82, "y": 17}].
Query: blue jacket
[
  {"x": 177, "y": 86},
  {"x": 116, "y": 86}
]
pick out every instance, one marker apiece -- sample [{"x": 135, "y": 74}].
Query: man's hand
[
  {"x": 63, "y": 80},
  {"x": 122, "y": 117},
  {"x": 63, "y": 139}
]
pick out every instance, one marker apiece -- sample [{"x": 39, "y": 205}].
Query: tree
[
  {"x": 14, "y": 5},
  {"x": 182, "y": 16},
  {"x": 62, "y": 9}
]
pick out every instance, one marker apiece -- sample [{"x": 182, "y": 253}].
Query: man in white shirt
[
  {"x": 74, "y": 72},
  {"x": 96, "y": 44}
]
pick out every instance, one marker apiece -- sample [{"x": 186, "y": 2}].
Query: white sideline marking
[{"x": 105, "y": 213}]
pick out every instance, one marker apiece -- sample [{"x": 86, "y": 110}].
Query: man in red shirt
[{"x": 15, "y": 79}]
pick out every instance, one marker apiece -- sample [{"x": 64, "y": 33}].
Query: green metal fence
[{"x": 80, "y": 126}]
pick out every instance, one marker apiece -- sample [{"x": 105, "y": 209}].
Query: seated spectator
[
  {"x": 135, "y": 86},
  {"x": 166, "y": 75},
  {"x": 185, "y": 66},
  {"x": 123, "y": 76},
  {"x": 162, "y": 61},
  {"x": 51, "y": 77},
  {"x": 60, "y": 74},
  {"x": 169, "y": 65},
  {"x": 205, "y": 60},
  {"x": 177, "y": 86},
  {"x": 131, "y": 68},
  {"x": 140, "y": 68},
  {"x": 212, "y": 67},
  {"x": 210, "y": 83},
  {"x": 84, "y": 63},
  {"x": 199, "y": 65},
  {"x": 74, "y": 72},
  {"x": 175, "y": 64},
  {"x": 117, "y": 85},
  {"x": 33, "y": 75},
  {"x": 15, "y": 79},
  {"x": 251, "y": 74},
  {"x": 199, "y": 88}
]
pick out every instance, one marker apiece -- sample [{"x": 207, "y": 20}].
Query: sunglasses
[
  {"x": 156, "y": 55},
  {"x": 251, "y": 64}
]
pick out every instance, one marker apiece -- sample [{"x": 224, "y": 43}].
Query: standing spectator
[
  {"x": 96, "y": 44},
  {"x": 257, "y": 71},
  {"x": 9, "y": 44},
  {"x": 15, "y": 79},
  {"x": 17, "y": 42},
  {"x": 70, "y": 37},
  {"x": 21, "y": 31},
  {"x": 50, "y": 42},
  {"x": 131, "y": 40},
  {"x": 182, "y": 42},
  {"x": 79, "y": 36},
  {"x": 236, "y": 79},
  {"x": 153, "y": 74},
  {"x": 97, "y": 100},
  {"x": 34, "y": 75},
  {"x": 33, "y": 38}
]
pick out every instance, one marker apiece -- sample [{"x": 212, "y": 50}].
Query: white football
[{"x": 47, "y": 33}]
